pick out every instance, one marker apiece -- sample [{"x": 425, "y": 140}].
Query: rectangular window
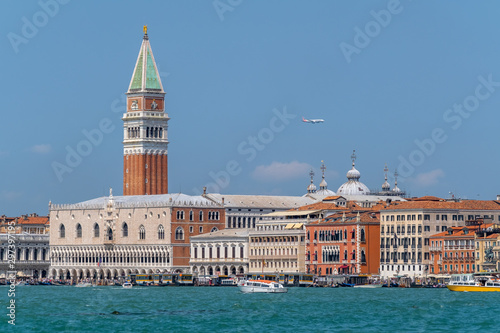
[
  {"x": 444, "y": 217},
  {"x": 201, "y": 230},
  {"x": 191, "y": 229},
  {"x": 437, "y": 228},
  {"x": 437, "y": 217},
  {"x": 427, "y": 217}
]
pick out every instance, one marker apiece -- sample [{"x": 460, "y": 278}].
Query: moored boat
[
  {"x": 474, "y": 282},
  {"x": 127, "y": 285},
  {"x": 375, "y": 285},
  {"x": 84, "y": 284},
  {"x": 261, "y": 286}
]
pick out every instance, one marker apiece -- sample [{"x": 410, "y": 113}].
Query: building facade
[
  {"x": 453, "y": 251},
  {"x": 245, "y": 211},
  {"x": 109, "y": 237},
  {"x": 30, "y": 250},
  {"x": 344, "y": 243},
  {"x": 145, "y": 124},
  {"x": 223, "y": 252},
  {"x": 406, "y": 228}
]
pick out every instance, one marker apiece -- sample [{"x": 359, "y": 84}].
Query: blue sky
[{"x": 411, "y": 83}]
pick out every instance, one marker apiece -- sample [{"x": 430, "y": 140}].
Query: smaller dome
[
  {"x": 396, "y": 189},
  {"x": 386, "y": 186},
  {"x": 323, "y": 184},
  {"x": 353, "y": 174},
  {"x": 311, "y": 188}
]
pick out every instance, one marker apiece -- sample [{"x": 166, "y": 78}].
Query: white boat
[
  {"x": 127, "y": 285},
  {"x": 84, "y": 284},
  {"x": 475, "y": 282},
  {"x": 229, "y": 282},
  {"x": 261, "y": 286},
  {"x": 375, "y": 285}
]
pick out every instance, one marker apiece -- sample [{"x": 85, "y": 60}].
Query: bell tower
[{"x": 145, "y": 124}]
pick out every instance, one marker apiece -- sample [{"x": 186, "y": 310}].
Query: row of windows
[
  {"x": 218, "y": 252},
  {"x": 336, "y": 235},
  {"x": 109, "y": 231},
  {"x": 37, "y": 254},
  {"x": 270, "y": 252},
  {"x": 272, "y": 264},
  {"x": 151, "y": 132},
  {"x": 212, "y": 216},
  {"x": 241, "y": 222},
  {"x": 274, "y": 239},
  {"x": 427, "y": 217}
]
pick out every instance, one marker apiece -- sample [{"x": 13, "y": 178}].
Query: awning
[
  {"x": 289, "y": 226},
  {"x": 298, "y": 225},
  {"x": 344, "y": 266},
  {"x": 294, "y": 213}
]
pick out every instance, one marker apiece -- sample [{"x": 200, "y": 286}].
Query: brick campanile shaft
[{"x": 145, "y": 124}]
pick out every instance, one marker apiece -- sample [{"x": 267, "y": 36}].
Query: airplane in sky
[{"x": 312, "y": 121}]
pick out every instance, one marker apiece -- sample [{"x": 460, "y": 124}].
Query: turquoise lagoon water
[{"x": 225, "y": 309}]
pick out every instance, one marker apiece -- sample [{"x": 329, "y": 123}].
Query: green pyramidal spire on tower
[{"x": 145, "y": 77}]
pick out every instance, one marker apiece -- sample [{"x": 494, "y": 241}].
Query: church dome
[
  {"x": 311, "y": 188},
  {"x": 353, "y": 186},
  {"x": 323, "y": 184},
  {"x": 386, "y": 186}
]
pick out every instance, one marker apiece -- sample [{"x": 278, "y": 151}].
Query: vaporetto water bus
[
  {"x": 261, "y": 286},
  {"x": 475, "y": 282}
]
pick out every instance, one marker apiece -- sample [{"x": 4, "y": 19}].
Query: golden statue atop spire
[{"x": 145, "y": 29}]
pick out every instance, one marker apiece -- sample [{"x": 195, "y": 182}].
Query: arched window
[
  {"x": 214, "y": 229},
  {"x": 179, "y": 233},
  {"x": 124, "y": 229},
  {"x": 142, "y": 232},
  {"x": 161, "y": 232},
  {"x": 201, "y": 215},
  {"x": 96, "y": 230},
  {"x": 217, "y": 216},
  {"x": 191, "y": 215},
  {"x": 62, "y": 231},
  {"x": 78, "y": 230},
  {"x": 362, "y": 235},
  {"x": 109, "y": 234}
]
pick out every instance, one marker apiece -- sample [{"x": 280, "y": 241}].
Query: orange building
[
  {"x": 452, "y": 251},
  {"x": 187, "y": 223},
  {"x": 344, "y": 243}
]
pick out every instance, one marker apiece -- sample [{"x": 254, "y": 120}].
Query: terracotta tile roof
[
  {"x": 350, "y": 217},
  {"x": 444, "y": 205},
  {"x": 459, "y": 231},
  {"x": 30, "y": 220}
]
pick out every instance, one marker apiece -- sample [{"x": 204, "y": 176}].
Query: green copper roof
[
  {"x": 145, "y": 77},
  {"x": 137, "y": 78},
  {"x": 152, "y": 81}
]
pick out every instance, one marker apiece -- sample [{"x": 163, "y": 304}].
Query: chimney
[{"x": 498, "y": 197}]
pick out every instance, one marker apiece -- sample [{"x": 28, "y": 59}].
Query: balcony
[
  {"x": 439, "y": 262},
  {"x": 344, "y": 261}
]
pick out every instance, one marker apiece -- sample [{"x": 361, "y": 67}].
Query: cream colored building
[
  {"x": 277, "y": 247},
  {"x": 109, "y": 237},
  {"x": 223, "y": 252},
  {"x": 406, "y": 227}
]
